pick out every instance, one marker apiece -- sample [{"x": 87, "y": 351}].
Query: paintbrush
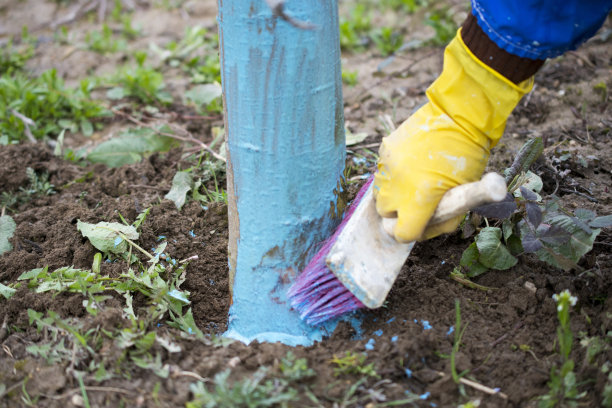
[{"x": 357, "y": 265}]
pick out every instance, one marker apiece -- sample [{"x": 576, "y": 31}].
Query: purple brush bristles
[{"x": 317, "y": 294}]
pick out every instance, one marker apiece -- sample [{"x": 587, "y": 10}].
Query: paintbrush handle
[{"x": 459, "y": 200}]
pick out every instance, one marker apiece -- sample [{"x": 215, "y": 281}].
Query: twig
[
  {"x": 189, "y": 138},
  {"x": 396, "y": 74},
  {"x": 3, "y": 329},
  {"x": 8, "y": 351},
  {"x": 367, "y": 146},
  {"x": 479, "y": 387},
  {"x": 88, "y": 388},
  {"x": 278, "y": 8},
  {"x": 528, "y": 98},
  {"x": 75, "y": 13},
  {"x": 503, "y": 337},
  {"x": 27, "y": 122},
  {"x": 12, "y": 387}
]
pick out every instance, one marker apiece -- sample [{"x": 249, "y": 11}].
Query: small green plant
[
  {"x": 387, "y": 40},
  {"x": 459, "y": 331},
  {"x": 524, "y": 223},
  {"x": 145, "y": 84},
  {"x": 13, "y": 59},
  {"x": 354, "y": 29},
  {"x": 441, "y": 20},
  {"x": 295, "y": 369},
  {"x": 353, "y": 363},
  {"x": 563, "y": 387},
  {"x": 606, "y": 369},
  {"x": 259, "y": 390},
  {"x": 42, "y": 107},
  {"x": 602, "y": 89},
  {"x": 104, "y": 41},
  {"x": 349, "y": 78},
  {"x": 406, "y": 6},
  {"x": 39, "y": 185}
]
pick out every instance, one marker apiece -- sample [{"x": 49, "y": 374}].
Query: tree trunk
[{"x": 284, "y": 129}]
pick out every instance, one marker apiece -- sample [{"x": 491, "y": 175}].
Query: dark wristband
[{"x": 515, "y": 68}]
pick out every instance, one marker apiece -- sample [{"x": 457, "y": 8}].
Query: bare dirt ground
[{"x": 510, "y": 338}]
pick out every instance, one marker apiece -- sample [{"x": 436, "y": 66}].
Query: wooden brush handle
[{"x": 458, "y": 200}]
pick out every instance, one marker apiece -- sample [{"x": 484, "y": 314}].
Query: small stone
[
  {"x": 233, "y": 362},
  {"x": 530, "y": 287},
  {"x": 77, "y": 400}
]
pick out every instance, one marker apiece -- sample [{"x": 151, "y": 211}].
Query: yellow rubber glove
[{"x": 445, "y": 143}]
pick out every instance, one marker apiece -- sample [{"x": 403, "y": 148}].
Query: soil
[{"x": 510, "y": 334}]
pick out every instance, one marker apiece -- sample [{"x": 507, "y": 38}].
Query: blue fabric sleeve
[{"x": 540, "y": 29}]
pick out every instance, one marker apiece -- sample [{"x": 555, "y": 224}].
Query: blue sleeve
[{"x": 540, "y": 29}]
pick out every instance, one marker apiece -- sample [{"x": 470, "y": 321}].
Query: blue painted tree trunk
[{"x": 286, "y": 149}]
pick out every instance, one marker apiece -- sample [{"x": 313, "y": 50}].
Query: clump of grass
[
  {"x": 39, "y": 185},
  {"x": 104, "y": 41},
  {"x": 354, "y": 29},
  {"x": 13, "y": 59},
  {"x": 142, "y": 83},
  {"x": 41, "y": 107},
  {"x": 262, "y": 389},
  {"x": 387, "y": 40},
  {"x": 441, "y": 20},
  {"x": 353, "y": 364}
]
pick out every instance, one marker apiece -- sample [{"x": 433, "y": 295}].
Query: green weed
[
  {"x": 441, "y": 20},
  {"x": 13, "y": 59},
  {"x": 104, "y": 41},
  {"x": 295, "y": 369},
  {"x": 563, "y": 386},
  {"x": 256, "y": 391},
  {"x": 197, "y": 53},
  {"x": 144, "y": 84},
  {"x": 353, "y": 364},
  {"x": 524, "y": 223},
  {"x": 39, "y": 185},
  {"x": 459, "y": 331},
  {"x": 354, "y": 29},
  {"x": 406, "y": 6},
  {"x": 387, "y": 40},
  {"x": 349, "y": 78},
  {"x": 606, "y": 369},
  {"x": 41, "y": 107}
]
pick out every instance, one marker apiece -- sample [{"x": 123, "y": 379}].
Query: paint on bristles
[{"x": 317, "y": 295}]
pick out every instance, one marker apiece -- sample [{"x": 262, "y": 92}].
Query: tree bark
[{"x": 284, "y": 127}]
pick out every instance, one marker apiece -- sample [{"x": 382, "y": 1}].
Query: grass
[
  {"x": 39, "y": 185},
  {"x": 104, "y": 41},
  {"x": 353, "y": 364},
  {"x": 41, "y": 107},
  {"x": 458, "y": 335},
  {"x": 144, "y": 84}
]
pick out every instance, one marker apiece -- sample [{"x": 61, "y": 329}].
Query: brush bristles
[{"x": 317, "y": 294}]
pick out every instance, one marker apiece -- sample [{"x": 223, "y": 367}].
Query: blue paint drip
[
  {"x": 192, "y": 233},
  {"x": 408, "y": 373},
  {"x": 370, "y": 344},
  {"x": 394, "y": 339},
  {"x": 450, "y": 330},
  {"x": 378, "y": 332},
  {"x": 286, "y": 152},
  {"x": 426, "y": 325},
  {"x": 391, "y": 320},
  {"x": 425, "y": 396}
]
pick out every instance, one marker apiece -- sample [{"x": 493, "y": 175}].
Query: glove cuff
[{"x": 512, "y": 67}]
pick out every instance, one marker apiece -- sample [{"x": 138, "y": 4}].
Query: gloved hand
[{"x": 445, "y": 143}]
